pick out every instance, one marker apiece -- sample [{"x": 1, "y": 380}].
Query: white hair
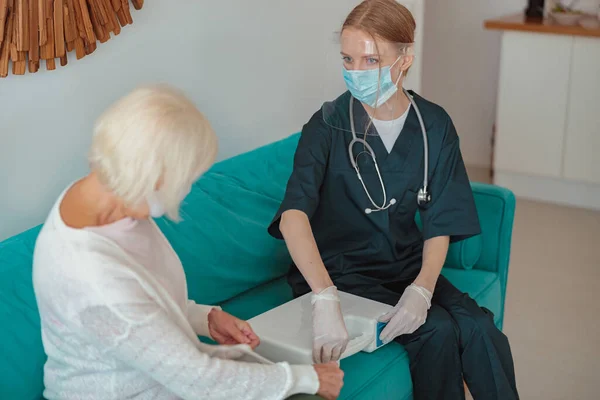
[{"x": 153, "y": 138}]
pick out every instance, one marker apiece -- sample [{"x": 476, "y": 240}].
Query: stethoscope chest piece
[{"x": 423, "y": 197}]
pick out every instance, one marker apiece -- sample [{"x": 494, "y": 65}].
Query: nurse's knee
[
  {"x": 439, "y": 326},
  {"x": 476, "y": 323},
  {"x": 435, "y": 341}
]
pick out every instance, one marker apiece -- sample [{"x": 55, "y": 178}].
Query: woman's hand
[
  {"x": 331, "y": 380},
  {"x": 226, "y": 329}
]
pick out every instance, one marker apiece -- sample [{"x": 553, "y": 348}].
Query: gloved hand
[
  {"x": 408, "y": 315},
  {"x": 330, "y": 336}
]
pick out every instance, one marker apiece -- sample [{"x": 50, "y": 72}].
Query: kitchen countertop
[{"x": 519, "y": 22}]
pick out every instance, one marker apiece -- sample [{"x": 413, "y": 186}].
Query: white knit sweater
[{"x": 111, "y": 331}]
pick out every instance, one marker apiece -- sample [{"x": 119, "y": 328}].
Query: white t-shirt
[{"x": 389, "y": 131}]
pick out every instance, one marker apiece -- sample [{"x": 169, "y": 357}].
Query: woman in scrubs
[{"x": 337, "y": 244}]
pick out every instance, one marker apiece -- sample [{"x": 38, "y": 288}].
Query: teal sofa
[{"x": 231, "y": 260}]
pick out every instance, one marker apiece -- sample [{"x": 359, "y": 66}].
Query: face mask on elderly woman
[{"x": 157, "y": 207}]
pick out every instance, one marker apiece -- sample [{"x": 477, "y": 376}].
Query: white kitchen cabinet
[
  {"x": 582, "y": 144},
  {"x": 532, "y": 103},
  {"x": 547, "y": 142}
]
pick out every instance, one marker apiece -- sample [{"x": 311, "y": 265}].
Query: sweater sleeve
[
  {"x": 119, "y": 318},
  {"x": 157, "y": 347},
  {"x": 197, "y": 314}
]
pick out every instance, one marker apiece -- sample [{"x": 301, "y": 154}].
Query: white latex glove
[
  {"x": 330, "y": 336},
  {"x": 408, "y": 315}
]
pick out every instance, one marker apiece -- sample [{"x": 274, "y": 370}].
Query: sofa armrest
[{"x": 496, "y": 210}]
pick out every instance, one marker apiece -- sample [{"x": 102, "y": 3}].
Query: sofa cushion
[
  {"x": 223, "y": 241},
  {"x": 23, "y": 357},
  {"x": 377, "y": 375}
]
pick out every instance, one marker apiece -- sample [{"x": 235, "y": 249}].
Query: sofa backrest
[
  {"x": 223, "y": 241},
  {"x": 21, "y": 353}
]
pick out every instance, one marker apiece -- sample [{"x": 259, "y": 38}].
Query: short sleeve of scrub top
[
  {"x": 451, "y": 211},
  {"x": 310, "y": 166}
]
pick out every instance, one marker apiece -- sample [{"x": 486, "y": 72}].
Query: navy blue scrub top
[{"x": 360, "y": 250}]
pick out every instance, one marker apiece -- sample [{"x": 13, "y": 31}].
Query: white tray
[{"x": 286, "y": 331}]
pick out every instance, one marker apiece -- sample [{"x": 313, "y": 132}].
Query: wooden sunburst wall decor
[{"x": 36, "y": 30}]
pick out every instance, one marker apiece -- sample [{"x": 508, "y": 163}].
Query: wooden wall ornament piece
[
  {"x": 34, "y": 66},
  {"x": 79, "y": 19},
  {"x": 112, "y": 17},
  {"x": 42, "y": 22},
  {"x": 36, "y": 30},
  {"x": 34, "y": 38},
  {"x": 127, "y": 11},
  {"x": 14, "y": 53},
  {"x": 87, "y": 22},
  {"x": 19, "y": 67},
  {"x": 71, "y": 32},
  {"x": 51, "y": 64},
  {"x": 3, "y": 14},
  {"x": 6, "y": 43},
  {"x": 47, "y": 50},
  {"x": 59, "y": 29},
  {"x": 22, "y": 26},
  {"x": 79, "y": 48}
]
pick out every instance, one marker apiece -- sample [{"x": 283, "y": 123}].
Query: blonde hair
[{"x": 153, "y": 138}]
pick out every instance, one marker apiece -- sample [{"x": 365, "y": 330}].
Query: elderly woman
[{"x": 112, "y": 294}]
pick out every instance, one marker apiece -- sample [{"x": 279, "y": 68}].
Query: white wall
[
  {"x": 461, "y": 63},
  {"x": 256, "y": 69},
  {"x": 460, "y": 67}
]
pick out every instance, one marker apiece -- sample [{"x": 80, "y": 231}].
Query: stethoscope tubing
[{"x": 369, "y": 149}]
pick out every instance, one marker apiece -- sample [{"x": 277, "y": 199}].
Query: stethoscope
[{"x": 423, "y": 196}]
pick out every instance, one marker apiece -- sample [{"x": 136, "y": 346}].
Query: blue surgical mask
[{"x": 364, "y": 85}]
